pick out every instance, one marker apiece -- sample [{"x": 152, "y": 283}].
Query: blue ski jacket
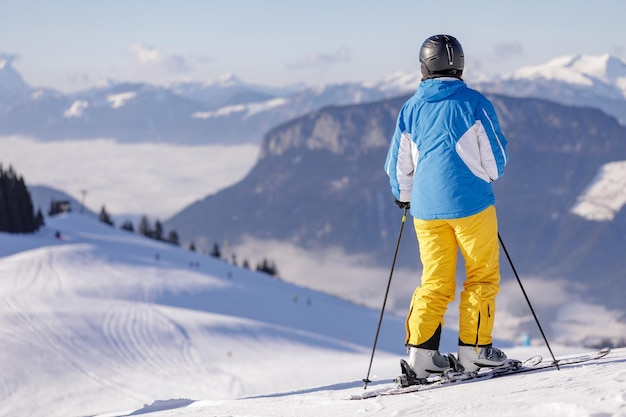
[{"x": 446, "y": 150}]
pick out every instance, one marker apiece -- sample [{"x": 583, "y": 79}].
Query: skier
[{"x": 446, "y": 150}]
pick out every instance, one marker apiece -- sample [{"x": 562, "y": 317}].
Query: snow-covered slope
[
  {"x": 102, "y": 319},
  {"x": 606, "y": 195},
  {"x": 105, "y": 322},
  {"x": 595, "y": 389}
]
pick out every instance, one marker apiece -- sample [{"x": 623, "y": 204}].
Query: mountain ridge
[
  {"x": 166, "y": 113},
  {"x": 578, "y": 80}
]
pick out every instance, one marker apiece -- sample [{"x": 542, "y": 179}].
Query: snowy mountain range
[
  {"x": 225, "y": 111},
  {"x": 230, "y": 111},
  {"x": 104, "y": 322},
  {"x": 578, "y": 80}
]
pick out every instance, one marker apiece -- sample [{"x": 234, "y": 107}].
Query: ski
[{"x": 452, "y": 377}]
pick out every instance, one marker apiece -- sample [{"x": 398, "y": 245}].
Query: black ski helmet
[{"x": 441, "y": 56}]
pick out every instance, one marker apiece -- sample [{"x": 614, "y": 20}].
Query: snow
[
  {"x": 249, "y": 108},
  {"x": 402, "y": 82},
  {"x": 224, "y": 80},
  {"x": 105, "y": 322},
  {"x": 606, "y": 195},
  {"x": 77, "y": 109},
  {"x": 221, "y": 112},
  {"x": 554, "y": 70},
  {"x": 119, "y": 100},
  {"x": 583, "y": 70}
]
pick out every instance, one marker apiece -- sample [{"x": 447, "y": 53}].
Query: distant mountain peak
[
  {"x": 225, "y": 80},
  {"x": 10, "y": 79},
  {"x": 580, "y": 80},
  {"x": 401, "y": 81},
  {"x": 6, "y": 60},
  {"x": 578, "y": 69}
]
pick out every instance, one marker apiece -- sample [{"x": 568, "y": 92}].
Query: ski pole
[
  {"x": 532, "y": 310},
  {"x": 366, "y": 380}
]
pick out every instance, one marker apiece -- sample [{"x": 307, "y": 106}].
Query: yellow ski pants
[{"x": 439, "y": 242}]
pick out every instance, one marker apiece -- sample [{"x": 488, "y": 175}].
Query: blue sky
[{"x": 71, "y": 45}]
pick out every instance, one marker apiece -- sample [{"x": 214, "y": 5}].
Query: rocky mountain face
[{"x": 319, "y": 182}]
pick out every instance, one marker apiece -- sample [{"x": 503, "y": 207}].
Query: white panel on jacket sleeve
[
  {"x": 469, "y": 149},
  {"x": 487, "y": 158},
  {"x": 493, "y": 129},
  {"x": 416, "y": 154},
  {"x": 405, "y": 166}
]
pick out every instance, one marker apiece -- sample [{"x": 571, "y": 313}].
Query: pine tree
[
  {"x": 172, "y": 237},
  {"x": 268, "y": 267},
  {"x": 158, "y": 230},
  {"x": 128, "y": 226},
  {"x": 40, "y": 219},
  {"x": 104, "y": 217},
  {"x": 216, "y": 252},
  {"x": 144, "y": 227},
  {"x": 16, "y": 207}
]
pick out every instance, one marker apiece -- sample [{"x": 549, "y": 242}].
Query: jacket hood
[{"x": 436, "y": 89}]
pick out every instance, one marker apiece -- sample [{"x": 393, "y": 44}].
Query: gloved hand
[{"x": 403, "y": 204}]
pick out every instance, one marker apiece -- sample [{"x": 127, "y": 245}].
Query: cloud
[
  {"x": 508, "y": 50},
  {"x": 330, "y": 270},
  {"x": 86, "y": 79},
  {"x": 481, "y": 64},
  {"x": 618, "y": 50},
  {"x": 316, "y": 60},
  {"x": 149, "y": 59},
  {"x": 104, "y": 167},
  {"x": 8, "y": 57},
  {"x": 147, "y": 64}
]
